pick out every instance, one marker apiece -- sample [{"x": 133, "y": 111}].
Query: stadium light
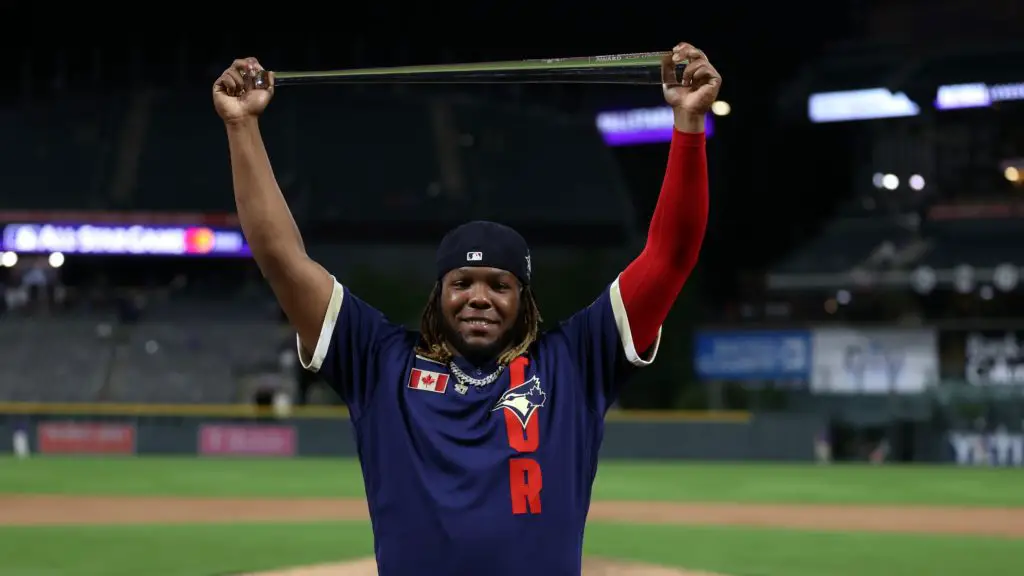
[
  {"x": 890, "y": 182},
  {"x": 963, "y": 278},
  {"x": 1005, "y": 277},
  {"x": 843, "y": 297},
  {"x": 924, "y": 280}
]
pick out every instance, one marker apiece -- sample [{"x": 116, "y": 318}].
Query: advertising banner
[
  {"x": 82, "y": 438},
  {"x": 851, "y": 361},
  {"x": 642, "y": 126},
  {"x": 103, "y": 239},
  {"x": 248, "y": 440},
  {"x": 984, "y": 358},
  {"x": 753, "y": 355},
  {"x": 999, "y": 448}
]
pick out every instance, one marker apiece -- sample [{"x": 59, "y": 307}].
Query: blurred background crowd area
[{"x": 866, "y": 172}]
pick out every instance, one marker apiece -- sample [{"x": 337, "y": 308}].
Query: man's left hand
[{"x": 698, "y": 90}]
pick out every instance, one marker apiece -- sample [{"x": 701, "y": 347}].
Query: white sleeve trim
[
  {"x": 622, "y": 323},
  {"x": 326, "y": 331}
]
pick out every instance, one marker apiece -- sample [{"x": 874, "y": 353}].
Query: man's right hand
[{"x": 234, "y": 94}]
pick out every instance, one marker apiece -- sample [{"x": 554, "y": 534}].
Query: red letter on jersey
[
  {"x": 526, "y": 482},
  {"x": 524, "y": 473}
]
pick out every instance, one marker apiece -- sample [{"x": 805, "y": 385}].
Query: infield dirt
[{"x": 79, "y": 510}]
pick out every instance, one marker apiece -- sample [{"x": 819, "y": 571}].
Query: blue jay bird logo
[{"x": 523, "y": 400}]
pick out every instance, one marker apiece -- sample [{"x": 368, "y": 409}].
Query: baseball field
[{"x": 195, "y": 517}]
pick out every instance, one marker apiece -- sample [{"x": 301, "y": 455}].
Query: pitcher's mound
[{"x": 591, "y": 567}]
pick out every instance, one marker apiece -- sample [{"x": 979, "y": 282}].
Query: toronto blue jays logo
[{"x": 523, "y": 400}]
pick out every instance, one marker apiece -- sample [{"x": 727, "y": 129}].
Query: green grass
[
  {"x": 311, "y": 478},
  {"x": 200, "y": 550},
  {"x": 810, "y": 484},
  {"x": 616, "y": 481},
  {"x": 760, "y": 552},
  {"x": 209, "y": 550}
]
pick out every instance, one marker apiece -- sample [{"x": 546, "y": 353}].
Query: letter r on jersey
[{"x": 526, "y": 482}]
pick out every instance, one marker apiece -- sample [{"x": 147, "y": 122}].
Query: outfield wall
[{"x": 327, "y": 432}]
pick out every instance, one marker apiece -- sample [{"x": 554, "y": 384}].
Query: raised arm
[
  {"x": 621, "y": 329},
  {"x": 651, "y": 283},
  {"x": 302, "y": 287}
]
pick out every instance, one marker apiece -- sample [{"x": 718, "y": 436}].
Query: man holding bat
[{"x": 478, "y": 436}]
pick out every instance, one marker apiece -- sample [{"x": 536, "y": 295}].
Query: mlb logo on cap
[{"x": 474, "y": 256}]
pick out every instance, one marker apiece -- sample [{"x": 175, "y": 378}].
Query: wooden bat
[{"x": 643, "y": 68}]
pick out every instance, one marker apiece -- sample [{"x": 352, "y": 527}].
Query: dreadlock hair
[{"x": 434, "y": 346}]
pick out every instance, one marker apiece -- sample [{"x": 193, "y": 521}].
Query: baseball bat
[{"x": 636, "y": 68}]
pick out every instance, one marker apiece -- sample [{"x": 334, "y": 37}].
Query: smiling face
[{"x": 480, "y": 307}]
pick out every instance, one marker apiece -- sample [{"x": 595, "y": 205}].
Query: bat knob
[{"x": 261, "y": 80}]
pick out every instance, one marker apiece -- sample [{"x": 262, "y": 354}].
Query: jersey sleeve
[
  {"x": 348, "y": 350},
  {"x": 600, "y": 343}
]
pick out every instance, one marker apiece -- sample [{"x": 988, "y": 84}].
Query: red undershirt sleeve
[{"x": 652, "y": 282}]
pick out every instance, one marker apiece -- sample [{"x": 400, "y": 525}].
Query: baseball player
[{"x": 478, "y": 436}]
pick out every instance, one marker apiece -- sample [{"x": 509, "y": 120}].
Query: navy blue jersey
[{"x": 464, "y": 480}]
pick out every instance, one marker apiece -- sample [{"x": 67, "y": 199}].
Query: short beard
[{"x": 477, "y": 355}]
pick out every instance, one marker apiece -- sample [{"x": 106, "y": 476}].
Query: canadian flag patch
[{"x": 426, "y": 380}]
